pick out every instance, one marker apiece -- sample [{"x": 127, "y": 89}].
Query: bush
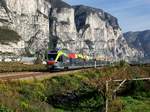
[
  {"x": 4, "y": 109},
  {"x": 116, "y": 106},
  {"x": 121, "y": 63},
  {"x": 77, "y": 92},
  {"x": 134, "y": 105}
]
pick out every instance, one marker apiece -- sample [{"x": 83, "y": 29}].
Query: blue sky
[{"x": 133, "y": 15}]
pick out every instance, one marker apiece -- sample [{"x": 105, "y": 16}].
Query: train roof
[{"x": 52, "y": 52}]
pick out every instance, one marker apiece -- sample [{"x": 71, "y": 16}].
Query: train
[{"x": 63, "y": 60}]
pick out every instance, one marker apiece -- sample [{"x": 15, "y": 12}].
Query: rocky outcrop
[
  {"x": 39, "y": 23},
  {"x": 140, "y": 41},
  {"x": 88, "y": 30},
  {"x": 29, "y": 18}
]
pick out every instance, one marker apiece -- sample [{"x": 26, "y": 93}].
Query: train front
[{"x": 52, "y": 62}]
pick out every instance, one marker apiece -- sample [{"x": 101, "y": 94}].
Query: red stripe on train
[{"x": 51, "y": 62}]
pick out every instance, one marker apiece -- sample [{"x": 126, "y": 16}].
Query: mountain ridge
[
  {"x": 54, "y": 23},
  {"x": 139, "y": 40}
]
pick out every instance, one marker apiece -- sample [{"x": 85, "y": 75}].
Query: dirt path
[
  {"x": 13, "y": 76},
  {"x": 32, "y": 75}
]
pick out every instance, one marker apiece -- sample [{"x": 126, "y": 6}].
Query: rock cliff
[
  {"x": 139, "y": 40},
  {"x": 29, "y": 20},
  {"x": 89, "y": 30},
  {"x": 30, "y": 26}
]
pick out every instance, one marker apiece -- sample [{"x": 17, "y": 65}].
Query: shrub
[
  {"x": 121, "y": 63},
  {"x": 116, "y": 106},
  {"x": 4, "y": 109}
]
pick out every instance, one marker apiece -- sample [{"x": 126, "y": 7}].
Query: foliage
[
  {"x": 135, "y": 98},
  {"x": 135, "y": 105},
  {"x": 116, "y": 105},
  {"x": 76, "y": 92},
  {"x": 130, "y": 104},
  {"x": 121, "y": 63},
  {"x": 4, "y": 109},
  {"x": 77, "y": 95}
]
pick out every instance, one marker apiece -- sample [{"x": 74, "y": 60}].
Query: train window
[
  {"x": 52, "y": 56},
  {"x": 60, "y": 58}
]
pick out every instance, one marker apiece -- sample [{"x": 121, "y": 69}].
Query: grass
[
  {"x": 19, "y": 67},
  {"x": 130, "y": 104},
  {"x": 135, "y": 105},
  {"x": 76, "y": 92},
  {"x": 136, "y": 98},
  {"x": 58, "y": 94}
]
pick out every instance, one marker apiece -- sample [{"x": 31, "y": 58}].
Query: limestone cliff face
[
  {"x": 77, "y": 28},
  {"x": 63, "y": 30},
  {"x": 88, "y": 30},
  {"x": 29, "y": 18}
]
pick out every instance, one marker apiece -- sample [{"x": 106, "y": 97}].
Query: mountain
[
  {"x": 139, "y": 40},
  {"x": 24, "y": 26},
  {"x": 29, "y": 26}
]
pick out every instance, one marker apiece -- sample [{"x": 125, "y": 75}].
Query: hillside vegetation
[{"x": 78, "y": 92}]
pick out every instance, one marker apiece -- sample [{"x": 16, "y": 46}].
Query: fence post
[{"x": 106, "y": 108}]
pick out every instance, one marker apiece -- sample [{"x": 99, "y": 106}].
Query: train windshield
[{"x": 52, "y": 56}]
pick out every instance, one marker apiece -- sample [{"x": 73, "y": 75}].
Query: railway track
[{"x": 13, "y": 76}]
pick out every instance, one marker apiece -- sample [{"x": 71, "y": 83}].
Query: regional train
[{"x": 61, "y": 59}]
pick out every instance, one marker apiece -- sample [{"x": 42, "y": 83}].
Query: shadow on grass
[{"x": 87, "y": 101}]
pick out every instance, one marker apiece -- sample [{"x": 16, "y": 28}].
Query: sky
[{"x": 133, "y": 15}]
